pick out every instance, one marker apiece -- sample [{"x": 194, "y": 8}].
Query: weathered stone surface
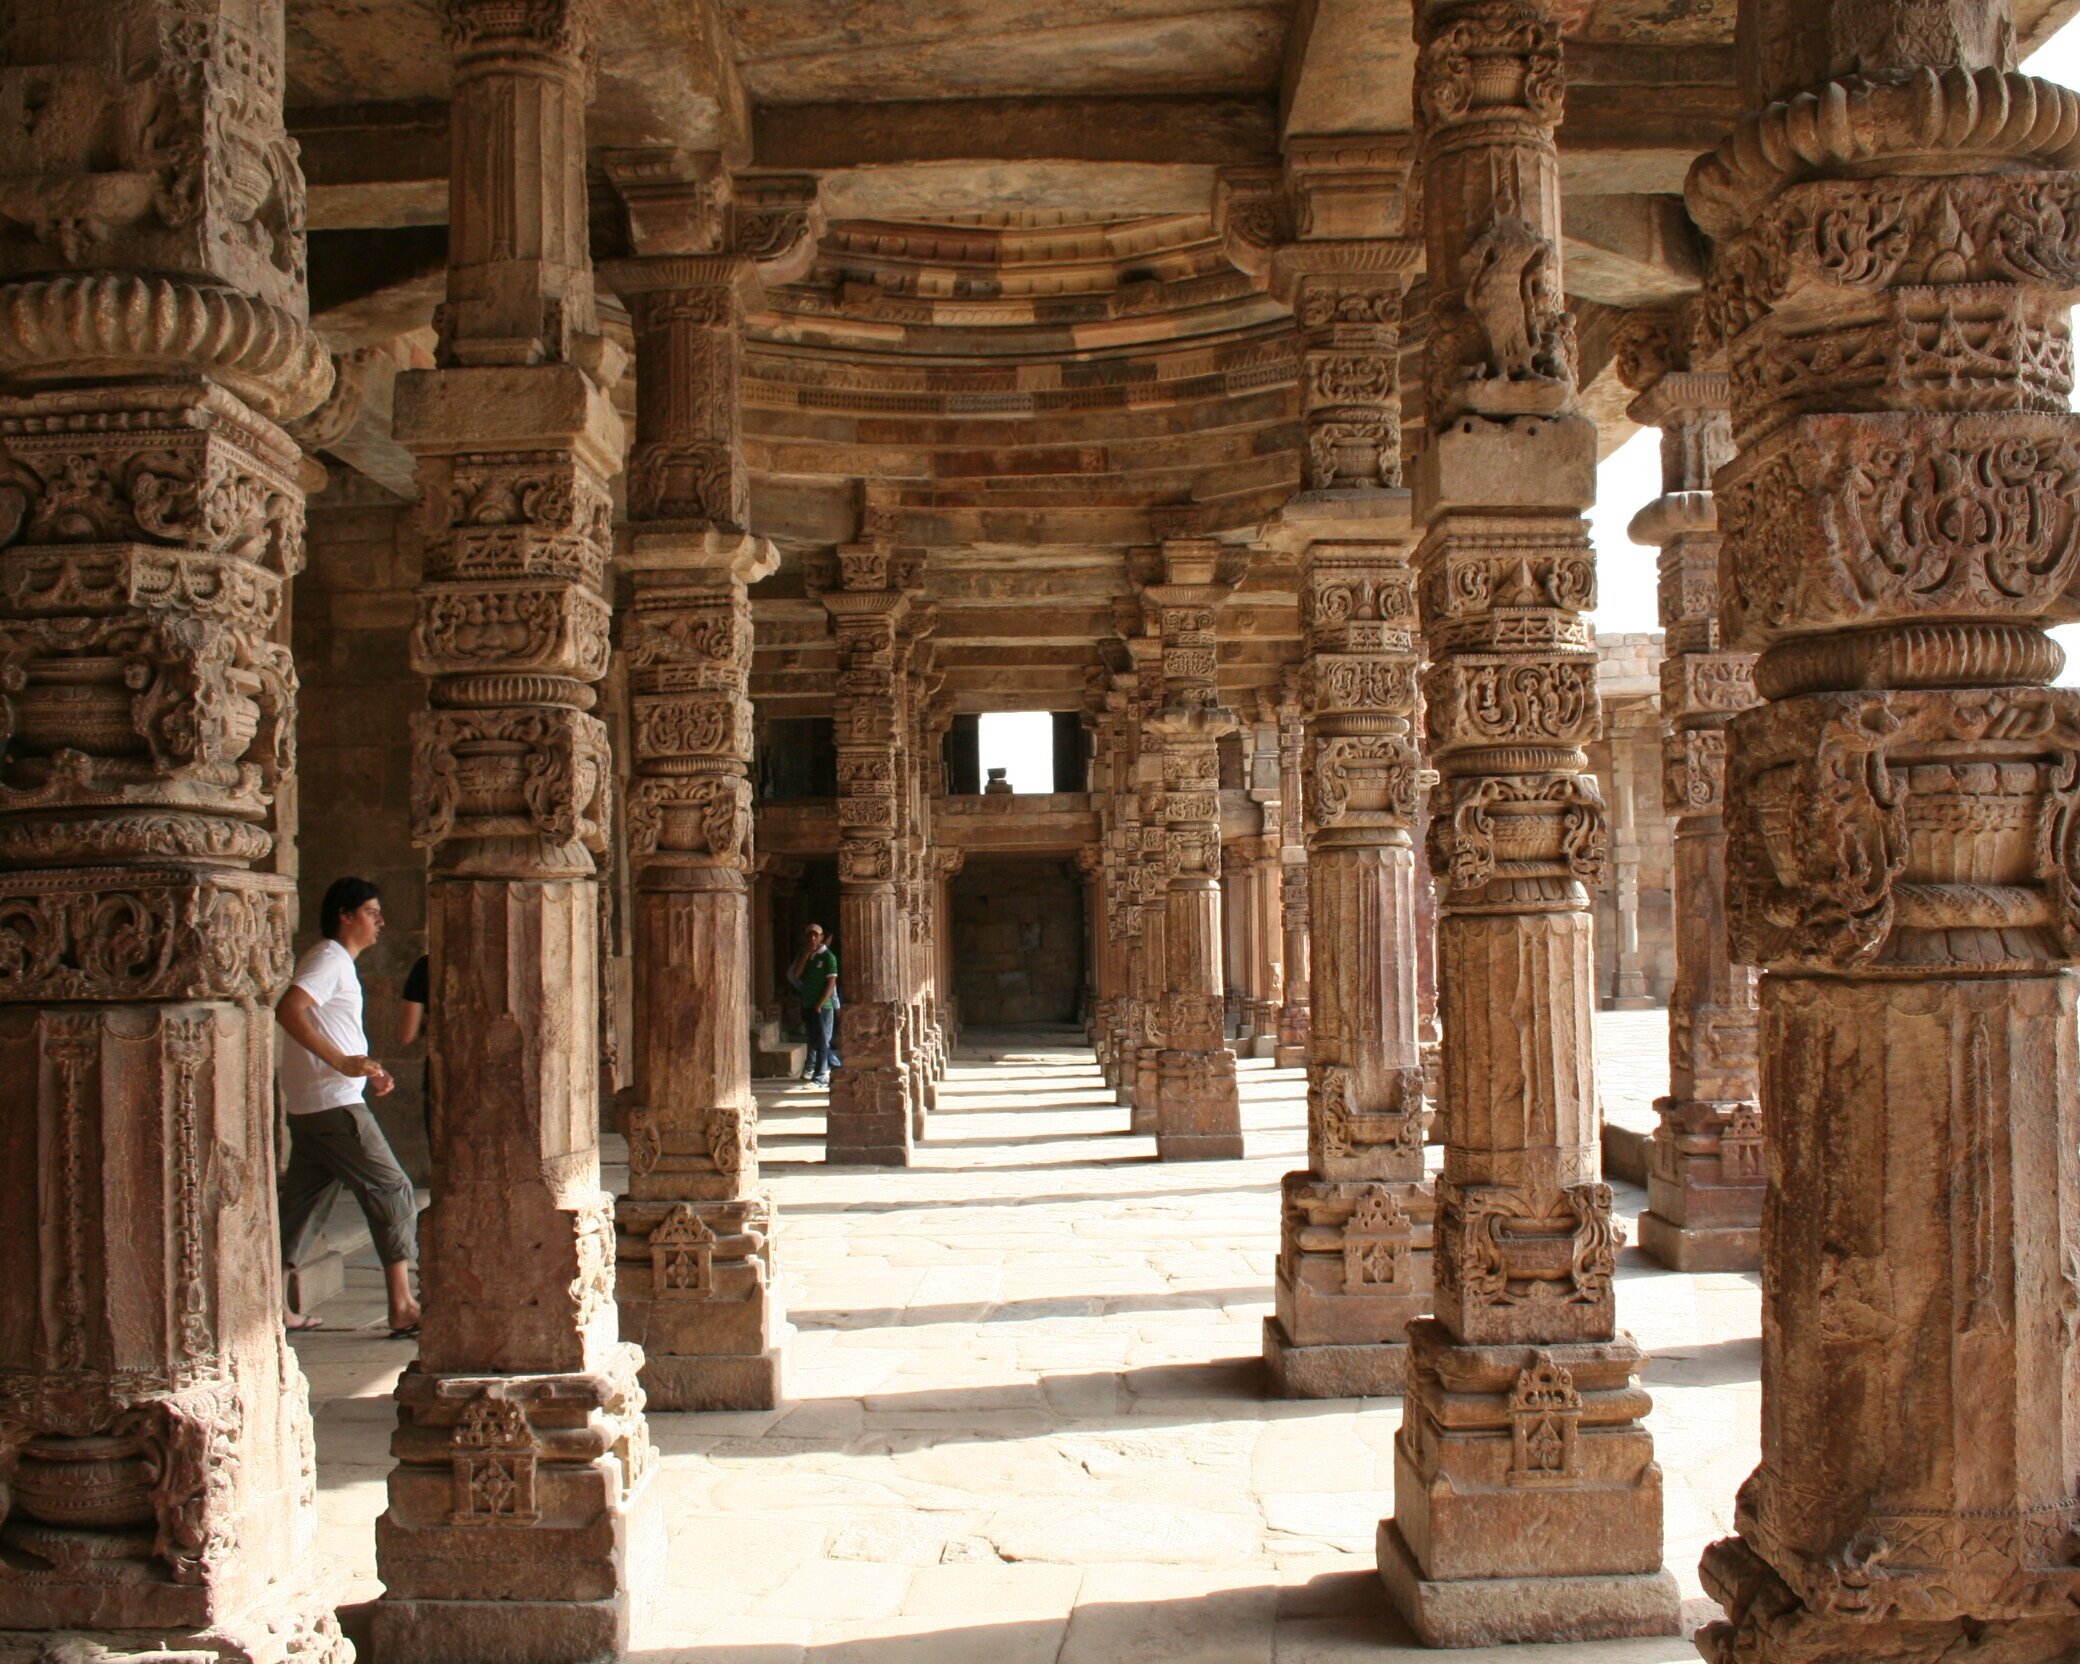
[
  {"x": 157, "y": 1472},
  {"x": 1882, "y": 868},
  {"x": 525, "y": 1414},
  {"x": 1522, "y": 1452}
]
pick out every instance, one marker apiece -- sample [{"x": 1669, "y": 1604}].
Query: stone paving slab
[{"x": 1025, "y": 1415}]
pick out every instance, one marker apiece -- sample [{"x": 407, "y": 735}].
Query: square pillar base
[
  {"x": 499, "y": 1631},
  {"x": 1198, "y": 1146},
  {"x": 1688, "y": 1248},
  {"x": 713, "y": 1382},
  {"x": 1289, "y": 1057},
  {"x": 1501, "y": 1611},
  {"x": 1332, "y": 1370}
]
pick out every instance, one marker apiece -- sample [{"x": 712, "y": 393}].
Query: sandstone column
[
  {"x": 1198, "y": 1116},
  {"x": 1152, "y": 875},
  {"x": 157, "y": 1487},
  {"x": 1355, "y": 1229},
  {"x": 1293, "y": 1016},
  {"x": 694, "y": 1270},
  {"x": 1527, "y": 1498},
  {"x": 1901, "y": 521},
  {"x": 517, "y": 1508},
  {"x": 1705, "y": 1177},
  {"x": 871, "y": 1108}
]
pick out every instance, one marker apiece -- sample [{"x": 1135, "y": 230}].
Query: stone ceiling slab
[{"x": 811, "y": 50}]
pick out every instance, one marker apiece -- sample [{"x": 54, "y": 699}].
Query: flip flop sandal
[
  {"x": 410, "y": 1332},
  {"x": 301, "y": 1325}
]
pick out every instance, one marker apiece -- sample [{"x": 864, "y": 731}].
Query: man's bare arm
[{"x": 294, "y": 1014}]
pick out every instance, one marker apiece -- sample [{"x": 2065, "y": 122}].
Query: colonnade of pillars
[{"x": 1871, "y": 511}]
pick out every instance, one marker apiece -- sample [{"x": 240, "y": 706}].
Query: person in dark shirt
[
  {"x": 814, "y": 975},
  {"x": 412, "y": 1005}
]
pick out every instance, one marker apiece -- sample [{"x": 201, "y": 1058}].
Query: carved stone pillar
[
  {"x": 871, "y": 1110},
  {"x": 1293, "y": 1013},
  {"x": 1629, "y": 978},
  {"x": 519, "y": 1495},
  {"x": 1239, "y": 941},
  {"x": 945, "y": 864},
  {"x": 1901, "y": 521},
  {"x": 157, "y": 1487},
  {"x": 694, "y": 1274},
  {"x": 1527, "y": 1498},
  {"x": 1355, "y": 1229},
  {"x": 1705, "y": 1171},
  {"x": 1198, "y": 1115},
  {"x": 1152, "y": 875}
]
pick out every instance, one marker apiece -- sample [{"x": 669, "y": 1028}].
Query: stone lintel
[
  {"x": 695, "y": 546},
  {"x": 497, "y": 408},
  {"x": 1521, "y": 462}
]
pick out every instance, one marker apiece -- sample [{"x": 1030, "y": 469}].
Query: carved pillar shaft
[
  {"x": 871, "y": 1117},
  {"x": 1293, "y": 1016},
  {"x": 1355, "y": 1238},
  {"x": 1522, "y": 1492},
  {"x": 694, "y": 1270},
  {"x": 1892, "y": 288},
  {"x": 526, "y": 1407},
  {"x": 1706, "y": 1174},
  {"x": 157, "y": 1483},
  {"x": 1198, "y": 1115}
]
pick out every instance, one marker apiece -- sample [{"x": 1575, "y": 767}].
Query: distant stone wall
[
  {"x": 1018, "y": 946},
  {"x": 351, "y": 618}
]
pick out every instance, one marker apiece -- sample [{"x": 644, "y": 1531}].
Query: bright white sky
[
  {"x": 1023, "y": 742},
  {"x": 1628, "y": 480}
]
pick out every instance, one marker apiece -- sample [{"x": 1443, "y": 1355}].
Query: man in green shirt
[{"x": 815, "y": 976}]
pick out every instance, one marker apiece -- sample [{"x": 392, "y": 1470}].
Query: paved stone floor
[{"x": 1025, "y": 1417}]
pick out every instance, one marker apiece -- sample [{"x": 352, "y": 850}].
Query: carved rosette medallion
[{"x": 1900, "y": 525}]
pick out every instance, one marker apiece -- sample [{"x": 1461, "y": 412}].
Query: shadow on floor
[
  {"x": 1060, "y": 1198},
  {"x": 1719, "y": 1363},
  {"x": 1067, "y": 1403},
  {"x": 1331, "y": 1618},
  {"x": 1040, "y": 1306}
]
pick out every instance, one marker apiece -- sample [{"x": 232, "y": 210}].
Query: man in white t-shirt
[{"x": 334, "y": 1140}]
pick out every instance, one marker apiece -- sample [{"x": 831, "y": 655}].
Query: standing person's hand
[
  {"x": 357, "y": 1068},
  {"x": 381, "y": 1080}
]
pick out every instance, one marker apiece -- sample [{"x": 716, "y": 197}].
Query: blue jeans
[{"x": 816, "y": 1024}]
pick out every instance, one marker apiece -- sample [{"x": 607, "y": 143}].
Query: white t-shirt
[{"x": 327, "y": 974}]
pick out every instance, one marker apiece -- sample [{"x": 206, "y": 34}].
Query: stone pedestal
[
  {"x": 1899, "y": 813},
  {"x": 157, "y": 1476}
]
